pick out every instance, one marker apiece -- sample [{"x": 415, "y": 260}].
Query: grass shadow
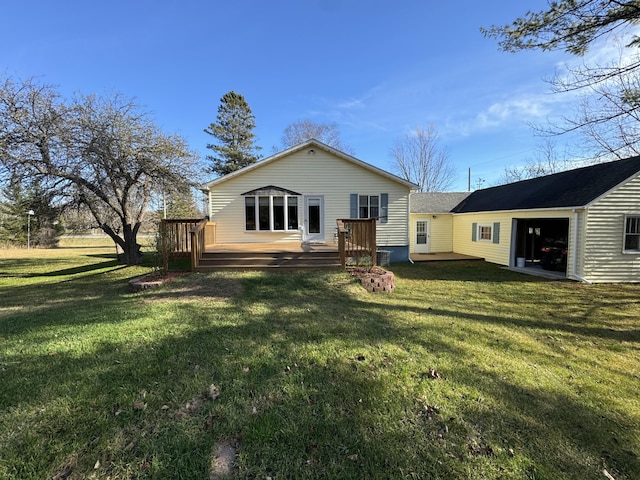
[{"x": 317, "y": 379}]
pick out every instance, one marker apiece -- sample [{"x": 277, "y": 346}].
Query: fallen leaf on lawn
[
  {"x": 139, "y": 405},
  {"x": 214, "y": 392},
  {"x": 431, "y": 411}
]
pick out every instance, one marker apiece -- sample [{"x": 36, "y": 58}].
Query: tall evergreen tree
[
  {"x": 13, "y": 215},
  {"x": 42, "y": 225},
  {"x": 234, "y": 130}
]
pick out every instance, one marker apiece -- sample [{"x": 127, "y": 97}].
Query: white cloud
[{"x": 506, "y": 113}]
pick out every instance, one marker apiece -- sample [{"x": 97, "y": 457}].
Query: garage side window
[
  {"x": 485, "y": 233},
  {"x": 632, "y": 234}
]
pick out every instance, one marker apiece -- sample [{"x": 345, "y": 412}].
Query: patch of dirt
[
  {"x": 64, "y": 472},
  {"x": 154, "y": 280},
  {"x": 223, "y": 459},
  {"x": 196, "y": 404},
  {"x": 198, "y": 287}
]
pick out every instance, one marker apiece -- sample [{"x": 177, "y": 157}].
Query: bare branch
[{"x": 419, "y": 159}]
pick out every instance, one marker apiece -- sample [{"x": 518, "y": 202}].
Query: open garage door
[{"x": 542, "y": 243}]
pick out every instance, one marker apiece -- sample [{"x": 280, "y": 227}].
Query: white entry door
[
  {"x": 313, "y": 218},
  {"x": 421, "y": 237}
]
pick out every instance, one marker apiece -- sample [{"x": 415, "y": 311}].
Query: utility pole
[{"x": 29, "y": 213}]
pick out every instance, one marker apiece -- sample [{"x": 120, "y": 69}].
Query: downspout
[
  {"x": 409, "y": 228},
  {"x": 576, "y": 216}
]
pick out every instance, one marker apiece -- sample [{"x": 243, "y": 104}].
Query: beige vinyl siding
[
  {"x": 440, "y": 231},
  {"x": 500, "y": 253},
  {"x": 309, "y": 174},
  {"x": 603, "y": 259}
]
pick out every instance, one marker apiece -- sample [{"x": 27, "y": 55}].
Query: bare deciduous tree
[
  {"x": 419, "y": 159},
  {"x": 303, "y": 130},
  {"x": 545, "y": 162},
  {"x": 102, "y": 153},
  {"x": 607, "y": 115},
  {"x": 608, "y": 110}
]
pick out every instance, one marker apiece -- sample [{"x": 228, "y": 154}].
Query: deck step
[{"x": 212, "y": 261}]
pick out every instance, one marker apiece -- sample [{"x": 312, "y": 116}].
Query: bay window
[{"x": 271, "y": 213}]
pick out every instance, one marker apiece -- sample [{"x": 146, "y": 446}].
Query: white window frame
[
  {"x": 271, "y": 213},
  {"x": 625, "y": 233},
  {"x": 378, "y": 206},
  {"x": 479, "y": 232}
]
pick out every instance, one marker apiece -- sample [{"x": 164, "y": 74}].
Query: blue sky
[{"x": 375, "y": 69}]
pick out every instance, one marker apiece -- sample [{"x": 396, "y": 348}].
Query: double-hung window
[
  {"x": 271, "y": 209},
  {"x": 485, "y": 233},
  {"x": 370, "y": 206},
  {"x": 632, "y": 234}
]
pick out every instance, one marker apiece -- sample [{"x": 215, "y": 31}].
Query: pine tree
[
  {"x": 13, "y": 215},
  {"x": 181, "y": 204},
  {"x": 234, "y": 130},
  {"x": 42, "y": 226}
]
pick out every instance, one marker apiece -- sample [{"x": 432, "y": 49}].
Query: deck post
[{"x": 342, "y": 243}]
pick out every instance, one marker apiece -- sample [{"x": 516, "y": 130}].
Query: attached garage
[
  {"x": 535, "y": 236},
  {"x": 590, "y": 216}
]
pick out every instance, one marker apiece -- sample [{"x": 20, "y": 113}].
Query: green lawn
[{"x": 466, "y": 371}]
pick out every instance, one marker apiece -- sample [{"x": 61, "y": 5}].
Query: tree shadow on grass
[
  {"x": 80, "y": 269},
  {"x": 313, "y": 382},
  {"x": 461, "y": 271},
  {"x": 82, "y": 299}
]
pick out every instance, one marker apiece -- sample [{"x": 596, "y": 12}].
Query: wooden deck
[
  {"x": 197, "y": 239},
  {"x": 441, "y": 257}
]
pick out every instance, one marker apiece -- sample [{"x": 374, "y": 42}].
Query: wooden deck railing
[
  {"x": 357, "y": 239},
  {"x": 178, "y": 235},
  {"x": 197, "y": 243},
  {"x": 189, "y": 238}
]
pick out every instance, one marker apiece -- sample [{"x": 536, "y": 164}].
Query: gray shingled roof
[
  {"x": 431, "y": 202},
  {"x": 573, "y": 188}
]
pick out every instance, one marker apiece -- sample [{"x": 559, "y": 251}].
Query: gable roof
[
  {"x": 311, "y": 144},
  {"x": 570, "y": 189},
  {"x": 435, "y": 202}
]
